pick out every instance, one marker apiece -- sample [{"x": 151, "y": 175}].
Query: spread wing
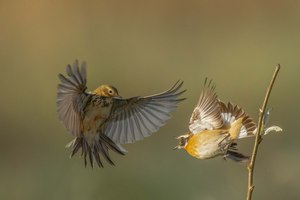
[
  {"x": 71, "y": 97},
  {"x": 207, "y": 114},
  {"x": 135, "y": 118},
  {"x": 231, "y": 113}
]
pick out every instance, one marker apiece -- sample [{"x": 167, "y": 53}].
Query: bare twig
[{"x": 258, "y": 137}]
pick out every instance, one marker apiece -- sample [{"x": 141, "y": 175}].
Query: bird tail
[
  {"x": 238, "y": 157},
  {"x": 96, "y": 149}
]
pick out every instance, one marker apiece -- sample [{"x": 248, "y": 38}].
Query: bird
[
  {"x": 101, "y": 120},
  {"x": 214, "y": 128}
]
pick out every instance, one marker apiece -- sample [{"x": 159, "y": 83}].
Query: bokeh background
[{"x": 143, "y": 47}]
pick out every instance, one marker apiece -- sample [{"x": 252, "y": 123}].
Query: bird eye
[{"x": 110, "y": 91}]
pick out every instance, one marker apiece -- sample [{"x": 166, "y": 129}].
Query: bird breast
[
  {"x": 206, "y": 144},
  {"x": 96, "y": 113}
]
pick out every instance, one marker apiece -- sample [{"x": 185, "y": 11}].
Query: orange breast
[{"x": 205, "y": 144}]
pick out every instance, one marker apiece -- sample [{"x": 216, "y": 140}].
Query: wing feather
[
  {"x": 231, "y": 113},
  {"x": 139, "y": 117},
  {"x": 71, "y": 97},
  {"x": 207, "y": 113}
]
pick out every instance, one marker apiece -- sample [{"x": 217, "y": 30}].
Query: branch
[{"x": 258, "y": 137}]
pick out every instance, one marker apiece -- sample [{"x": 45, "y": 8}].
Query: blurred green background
[{"x": 143, "y": 47}]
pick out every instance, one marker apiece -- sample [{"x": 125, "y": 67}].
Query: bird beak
[{"x": 118, "y": 97}]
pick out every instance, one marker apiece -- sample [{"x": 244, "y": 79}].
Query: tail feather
[
  {"x": 97, "y": 157},
  {"x": 237, "y": 157},
  {"x": 91, "y": 156},
  {"x": 111, "y": 144},
  {"x": 76, "y": 146},
  {"x": 104, "y": 151},
  {"x": 93, "y": 152},
  {"x": 84, "y": 151}
]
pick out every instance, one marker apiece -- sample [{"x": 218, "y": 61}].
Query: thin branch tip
[{"x": 258, "y": 137}]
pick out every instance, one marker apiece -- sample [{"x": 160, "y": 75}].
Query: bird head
[
  {"x": 106, "y": 91},
  {"x": 183, "y": 140}
]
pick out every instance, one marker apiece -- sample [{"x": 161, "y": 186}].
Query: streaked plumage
[
  {"x": 102, "y": 120},
  {"x": 214, "y": 127}
]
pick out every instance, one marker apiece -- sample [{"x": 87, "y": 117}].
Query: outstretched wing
[
  {"x": 207, "y": 114},
  {"x": 71, "y": 97},
  {"x": 135, "y": 118},
  {"x": 231, "y": 113}
]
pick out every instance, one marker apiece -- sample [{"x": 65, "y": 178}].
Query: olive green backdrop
[{"x": 142, "y": 48}]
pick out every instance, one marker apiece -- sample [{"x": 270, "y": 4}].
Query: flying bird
[
  {"x": 102, "y": 120},
  {"x": 214, "y": 128}
]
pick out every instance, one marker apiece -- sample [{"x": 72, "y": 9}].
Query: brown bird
[
  {"x": 214, "y": 128},
  {"x": 102, "y": 120}
]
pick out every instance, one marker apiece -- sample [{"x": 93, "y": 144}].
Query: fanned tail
[{"x": 96, "y": 151}]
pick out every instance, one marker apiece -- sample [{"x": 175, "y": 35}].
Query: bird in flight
[
  {"x": 102, "y": 120},
  {"x": 214, "y": 127}
]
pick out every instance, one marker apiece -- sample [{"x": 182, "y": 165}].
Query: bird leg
[{"x": 224, "y": 144}]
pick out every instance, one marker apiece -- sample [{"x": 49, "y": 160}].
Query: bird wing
[
  {"x": 135, "y": 118},
  {"x": 232, "y": 113},
  {"x": 71, "y": 97},
  {"x": 207, "y": 113}
]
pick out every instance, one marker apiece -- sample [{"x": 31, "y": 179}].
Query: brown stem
[{"x": 258, "y": 137}]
